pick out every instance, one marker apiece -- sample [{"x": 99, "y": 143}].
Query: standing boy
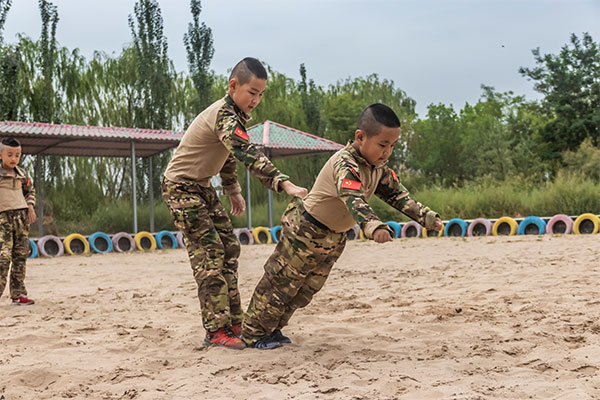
[
  {"x": 17, "y": 202},
  {"x": 211, "y": 145},
  {"x": 314, "y": 231}
]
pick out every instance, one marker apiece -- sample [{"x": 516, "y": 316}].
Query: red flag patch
[
  {"x": 28, "y": 182},
  {"x": 348, "y": 184},
  {"x": 240, "y": 132},
  {"x": 394, "y": 175}
]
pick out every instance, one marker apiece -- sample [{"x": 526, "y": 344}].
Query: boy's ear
[
  {"x": 359, "y": 135},
  {"x": 233, "y": 83}
]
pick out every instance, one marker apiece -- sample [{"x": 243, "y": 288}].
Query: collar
[
  {"x": 18, "y": 171},
  {"x": 358, "y": 157},
  {"x": 241, "y": 115}
]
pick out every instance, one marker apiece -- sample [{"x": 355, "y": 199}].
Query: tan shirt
[{"x": 16, "y": 192}]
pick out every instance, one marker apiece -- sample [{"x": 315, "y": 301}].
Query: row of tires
[{"x": 99, "y": 242}]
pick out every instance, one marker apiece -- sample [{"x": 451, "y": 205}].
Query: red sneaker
[
  {"x": 224, "y": 337},
  {"x": 22, "y": 301},
  {"x": 237, "y": 329}
]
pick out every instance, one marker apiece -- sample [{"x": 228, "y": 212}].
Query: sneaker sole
[{"x": 205, "y": 343}]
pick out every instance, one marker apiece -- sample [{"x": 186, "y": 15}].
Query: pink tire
[
  {"x": 180, "y": 242},
  {"x": 354, "y": 233},
  {"x": 244, "y": 235},
  {"x": 51, "y": 246},
  {"x": 479, "y": 227},
  {"x": 560, "y": 223},
  {"x": 411, "y": 229},
  {"x": 123, "y": 242}
]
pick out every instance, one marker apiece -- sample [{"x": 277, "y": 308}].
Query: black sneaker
[
  {"x": 266, "y": 343},
  {"x": 279, "y": 337}
]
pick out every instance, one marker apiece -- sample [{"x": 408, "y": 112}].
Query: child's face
[
  {"x": 376, "y": 149},
  {"x": 247, "y": 96},
  {"x": 10, "y": 156}
]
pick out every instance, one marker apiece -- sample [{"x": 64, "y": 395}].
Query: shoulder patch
[
  {"x": 350, "y": 184},
  {"x": 28, "y": 182},
  {"x": 240, "y": 132},
  {"x": 394, "y": 175}
]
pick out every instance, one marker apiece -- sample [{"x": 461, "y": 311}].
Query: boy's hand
[
  {"x": 31, "y": 214},
  {"x": 238, "y": 204},
  {"x": 382, "y": 235},
  {"x": 438, "y": 224},
  {"x": 293, "y": 190}
]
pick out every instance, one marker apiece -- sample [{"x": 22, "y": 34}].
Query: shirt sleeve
[
  {"x": 350, "y": 191},
  {"x": 234, "y": 137},
  {"x": 28, "y": 190},
  {"x": 395, "y": 194},
  {"x": 229, "y": 179}
]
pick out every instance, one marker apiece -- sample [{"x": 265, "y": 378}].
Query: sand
[{"x": 437, "y": 318}]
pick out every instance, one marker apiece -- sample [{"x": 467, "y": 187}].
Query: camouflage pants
[
  {"x": 212, "y": 247},
  {"x": 295, "y": 272},
  {"x": 14, "y": 247}
]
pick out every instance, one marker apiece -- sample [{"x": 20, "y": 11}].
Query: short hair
[
  {"x": 246, "y": 69},
  {"x": 376, "y": 115},
  {"x": 10, "y": 142}
]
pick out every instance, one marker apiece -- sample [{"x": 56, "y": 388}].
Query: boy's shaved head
[
  {"x": 246, "y": 69},
  {"x": 9, "y": 142},
  {"x": 376, "y": 115}
]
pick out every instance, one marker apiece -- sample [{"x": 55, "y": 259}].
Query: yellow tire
[
  {"x": 425, "y": 234},
  {"x": 144, "y": 241},
  {"x": 361, "y": 235},
  {"x": 586, "y": 217},
  {"x": 505, "y": 220},
  {"x": 262, "y": 235},
  {"x": 76, "y": 244}
]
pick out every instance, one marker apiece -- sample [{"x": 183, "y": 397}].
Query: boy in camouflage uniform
[
  {"x": 314, "y": 230},
  {"x": 17, "y": 203},
  {"x": 211, "y": 145}
]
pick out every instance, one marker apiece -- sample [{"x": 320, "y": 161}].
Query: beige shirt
[{"x": 16, "y": 192}]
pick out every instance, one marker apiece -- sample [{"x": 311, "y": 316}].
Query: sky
[{"x": 437, "y": 51}]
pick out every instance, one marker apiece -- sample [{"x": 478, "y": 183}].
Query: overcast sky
[{"x": 437, "y": 51}]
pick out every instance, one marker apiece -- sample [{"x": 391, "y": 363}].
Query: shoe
[
  {"x": 237, "y": 329},
  {"x": 265, "y": 343},
  {"x": 278, "y": 336},
  {"x": 22, "y": 301},
  {"x": 224, "y": 337}
]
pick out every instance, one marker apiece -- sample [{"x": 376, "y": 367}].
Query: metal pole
[
  {"x": 248, "y": 200},
  {"x": 39, "y": 179},
  {"x": 151, "y": 194},
  {"x": 134, "y": 185},
  {"x": 270, "y": 208}
]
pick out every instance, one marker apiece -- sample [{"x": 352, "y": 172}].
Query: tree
[{"x": 570, "y": 83}]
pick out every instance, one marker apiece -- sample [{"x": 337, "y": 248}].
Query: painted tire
[
  {"x": 479, "y": 227},
  {"x": 33, "y": 249},
  {"x": 501, "y": 224},
  {"x": 411, "y": 229},
  {"x": 123, "y": 242},
  {"x": 586, "y": 224},
  {"x": 261, "y": 235},
  {"x": 396, "y": 227},
  {"x": 532, "y": 226},
  {"x": 180, "y": 241},
  {"x": 50, "y": 246},
  {"x": 144, "y": 241},
  {"x": 354, "y": 233},
  {"x": 456, "y": 227},
  {"x": 165, "y": 240},
  {"x": 76, "y": 244},
  {"x": 432, "y": 233},
  {"x": 560, "y": 223},
  {"x": 100, "y": 243},
  {"x": 275, "y": 233},
  {"x": 244, "y": 235}
]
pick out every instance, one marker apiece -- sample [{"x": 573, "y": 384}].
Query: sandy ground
[{"x": 436, "y": 318}]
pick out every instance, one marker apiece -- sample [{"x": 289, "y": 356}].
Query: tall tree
[
  {"x": 9, "y": 71},
  {"x": 4, "y": 7},
  {"x": 45, "y": 102}
]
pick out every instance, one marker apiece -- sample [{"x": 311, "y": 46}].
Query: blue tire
[
  {"x": 453, "y": 224},
  {"x": 34, "y": 249},
  {"x": 165, "y": 240},
  {"x": 100, "y": 242},
  {"x": 396, "y": 227},
  {"x": 275, "y": 233},
  {"x": 532, "y": 226}
]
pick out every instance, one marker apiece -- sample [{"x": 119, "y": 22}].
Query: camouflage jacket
[{"x": 13, "y": 199}]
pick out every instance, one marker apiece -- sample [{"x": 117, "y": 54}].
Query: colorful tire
[
  {"x": 586, "y": 224},
  {"x": 244, "y": 235},
  {"x": 505, "y": 226},
  {"x": 180, "y": 241},
  {"x": 456, "y": 227},
  {"x": 532, "y": 226},
  {"x": 144, "y": 241},
  {"x": 165, "y": 240},
  {"x": 76, "y": 244},
  {"x": 50, "y": 246},
  {"x": 33, "y": 249},
  {"x": 123, "y": 242},
  {"x": 560, "y": 223},
  {"x": 361, "y": 235},
  {"x": 411, "y": 229},
  {"x": 354, "y": 233},
  {"x": 432, "y": 232},
  {"x": 275, "y": 233},
  {"x": 261, "y": 235},
  {"x": 479, "y": 227},
  {"x": 396, "y": 227},
  {"x": 100, "y": 243}
]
